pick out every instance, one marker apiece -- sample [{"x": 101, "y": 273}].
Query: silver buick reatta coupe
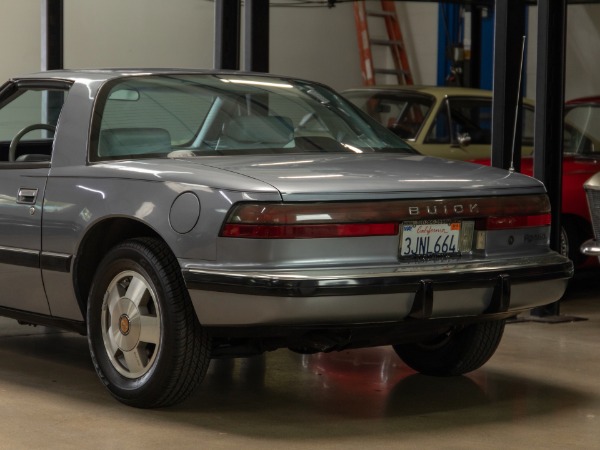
[{"x": 174, "y": 216}]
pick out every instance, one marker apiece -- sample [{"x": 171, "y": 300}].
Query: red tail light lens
[
  {"x": 310, "y": 230},
  {"x": 512, "y": 222},
  {"x": 379, "y": 218}
]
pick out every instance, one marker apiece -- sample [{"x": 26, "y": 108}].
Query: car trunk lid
[{"x": 382, "y": 175}]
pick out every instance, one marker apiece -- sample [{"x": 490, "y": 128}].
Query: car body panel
[
  {"x": 85, "y": 199},
  {"x": 376, "y": 174},
  {"x": 21, "y": 285}
]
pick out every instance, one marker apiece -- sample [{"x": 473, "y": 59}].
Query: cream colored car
[{"x": 449, "y": 122}]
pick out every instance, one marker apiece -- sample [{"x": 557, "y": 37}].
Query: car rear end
[
  {"x": 298, "y": 222},
  {"x": 329, "y": 275}
]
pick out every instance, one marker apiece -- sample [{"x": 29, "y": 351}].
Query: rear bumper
[{"x": 367, "y": 295}]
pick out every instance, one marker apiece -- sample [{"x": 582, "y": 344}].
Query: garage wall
[
  {"x": 19, "y": 38},
  {"x": 138, "y": 33},
  {"x": 583, "y": 48},
  {"x": 322, "y": 44},
  {"x": 314, "y": 43},
  {"x": 583, "y": 51},
  {"x": 419, "y": 24}
]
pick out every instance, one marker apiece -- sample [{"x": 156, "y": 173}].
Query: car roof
[
  {"x": 581, "y": 100},
  {"x": 111, "y": 73},
  {"x": 439, "y": 92},
  {"x": 436, "y": 91}
]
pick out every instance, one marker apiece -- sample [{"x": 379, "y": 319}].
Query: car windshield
[
  {"x": 582, "y": 129},
  {"x": 197, "y": 115},
  {"x": 402, "y": 113}
]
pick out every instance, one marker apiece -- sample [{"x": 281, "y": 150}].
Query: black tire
[
  {"x": 146, "y": 343},
  {"x": 573, "y": 233},
  {"x": 456, "y": 352}
]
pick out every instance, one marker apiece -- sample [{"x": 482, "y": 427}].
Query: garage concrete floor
[{"x": 540, "y": 390}]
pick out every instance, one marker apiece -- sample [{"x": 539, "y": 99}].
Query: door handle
[{"x": 28, "y": 196}]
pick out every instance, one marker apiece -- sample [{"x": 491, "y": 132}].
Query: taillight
[
  {"x": 379, "y": 218},
  {"x": 309, "y": 230},
  {"x": 513, "y": 222}
]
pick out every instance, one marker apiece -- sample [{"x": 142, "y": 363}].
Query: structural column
[
  {"x": 256, "y": 35},
  {"x": 472, "y": 69},
  {"x": 550, "y": 97},
  {"x": 52, "y": 35},
  {"x": 227, "y": 34},
  {"x": 508, "y": 44}
]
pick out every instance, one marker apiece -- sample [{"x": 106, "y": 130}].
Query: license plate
[{"x": 430, "y": 238}]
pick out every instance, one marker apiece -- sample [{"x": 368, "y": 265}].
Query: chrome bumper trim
[{"x": 590, "y": 247}]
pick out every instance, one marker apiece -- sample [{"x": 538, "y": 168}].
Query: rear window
[{"x": 200, "y": 115}]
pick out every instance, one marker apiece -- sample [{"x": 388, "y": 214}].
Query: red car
[{"x": 581, "y": 160}]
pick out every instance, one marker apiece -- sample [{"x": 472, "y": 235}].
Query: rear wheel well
[{"x": 97, "y": 242}]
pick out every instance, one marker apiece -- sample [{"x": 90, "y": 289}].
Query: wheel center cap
[{"x": 124, "y": 325}]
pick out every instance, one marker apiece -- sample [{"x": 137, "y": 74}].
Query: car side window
[
  {"x": 439, "y": 133},
  {"x": 574, "y": 141},
  {"x": 528, "y": 127},
  {"x": 472, "y": 118},
  {"x": 400, "y": 112},
  {"x": 405, "y": 117},
  {"x": 28, "y": 120},
  {"x": 582, "y": 129}
]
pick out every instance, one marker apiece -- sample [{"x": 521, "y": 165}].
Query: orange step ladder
[{"x": 394, "y": 42}]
